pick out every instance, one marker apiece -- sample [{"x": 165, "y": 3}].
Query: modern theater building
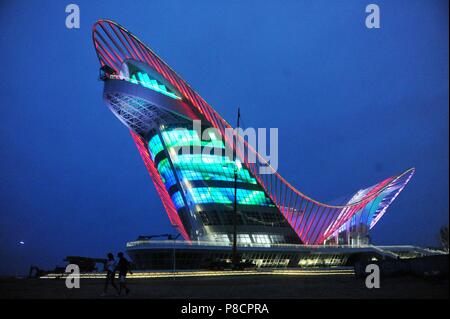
[{"x": 276, "y": 224}]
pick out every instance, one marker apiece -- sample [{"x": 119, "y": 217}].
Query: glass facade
[
  {"x": 215, "y": 195},
  {"x": 199, "y": 175},
  {"x": 145, "y": 80},
  {"x": 200, "y": 168}
]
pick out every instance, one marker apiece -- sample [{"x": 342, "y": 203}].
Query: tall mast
[{"x": 235, "y": 259}]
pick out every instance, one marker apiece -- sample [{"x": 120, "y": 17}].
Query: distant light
[{"x": 21, "y": 243}]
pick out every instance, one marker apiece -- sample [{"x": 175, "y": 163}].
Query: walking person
[
  {"x": 124, "y": 267},
  {"x": 110, "y": 267}
]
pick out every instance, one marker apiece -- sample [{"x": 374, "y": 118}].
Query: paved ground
[{"x": 263, "y": 286}]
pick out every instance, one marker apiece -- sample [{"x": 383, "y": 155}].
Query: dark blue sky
[{"x": 353, "y": 106}]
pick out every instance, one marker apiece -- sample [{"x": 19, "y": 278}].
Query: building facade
[{"x": 183, "y": 143}]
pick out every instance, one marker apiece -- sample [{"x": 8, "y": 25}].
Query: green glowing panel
[
  {"x": 184, "y": 137},
  {"x": 145, "y": 80},
  {"x": 198, "y": 167},
  {"x": 133, "y": 79},
  {"x": 213, "y": 195},
  {"x": 155, "y": 146}
]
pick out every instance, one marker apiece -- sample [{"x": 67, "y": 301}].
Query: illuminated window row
[
  {"x": 143, "y": 79},
  {"x": 173, "y": 137},
  {"x": 178, "y": 139},
  {"x": 216, "y": 195},
  {"x": 244, "y": 239},
  {"x": 222, "y": 238},
  {"x": 210, "y": 168},
  {"x": 249, "y": 238},
  {"x": 202, "y": 171},
  {"x": 188, "y": 159},
  {"x": 169, "y": 180},
  {"x": 185, "y": 137}
]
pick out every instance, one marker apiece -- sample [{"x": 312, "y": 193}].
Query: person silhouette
[
  {"x": 110, "y": 267},
  {"x": 124, "y": 267}
]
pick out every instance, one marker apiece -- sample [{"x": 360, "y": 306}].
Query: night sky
[{"x": 353, "y": 106}]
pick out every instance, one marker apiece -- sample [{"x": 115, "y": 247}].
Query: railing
[
  {"x": 170, "y": 243},
  {"x": 382, "y": 250}
]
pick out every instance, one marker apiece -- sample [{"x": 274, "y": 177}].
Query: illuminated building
[{"x": 197, "y": 190}]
